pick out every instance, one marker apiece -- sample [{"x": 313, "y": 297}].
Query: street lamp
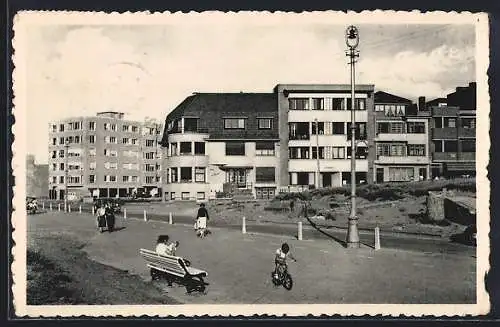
[
  {"x": 66, "y": 146},
  {"x": 352, "y": 41}
]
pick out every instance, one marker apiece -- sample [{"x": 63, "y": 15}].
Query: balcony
[
  {"x": 466, "y": 132},
  {"x": 444, "y": 156},
  {"x": 445, "y": 133},
  {"x": 467, "y": 156},
  {"x": 403, "y": 160}
]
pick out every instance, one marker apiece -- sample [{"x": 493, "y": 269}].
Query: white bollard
[
  {"x": 43, "y": 205},
  {"x": 50, "y": 206},
  {"x": 93, "y": 211},
  {"x": 170, "y": 220},
  {"x": 58, "y": 207},
  {"x": 145, "y": 216},
  {"x": 69, "y": 207},
  {"x": 124, "y": 213},
  {"x": 244, "y": 226},
  {"x": 299, "y": 234},
  {"x": 80, "y": 209},
  {"x": 377, "y": 238}
]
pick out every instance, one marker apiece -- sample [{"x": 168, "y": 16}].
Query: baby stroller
[{"x": 201, "y": 227}]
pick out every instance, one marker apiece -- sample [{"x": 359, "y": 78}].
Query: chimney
[{"x": 421, "y": 104}]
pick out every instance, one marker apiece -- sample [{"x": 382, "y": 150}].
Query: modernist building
[
  {"x": 454, "y": 133},
  {"x": 105, "y": 156},
  {"x": 401, "y": 136},
  {"x": 315, "y": 137},
  {"x": 222, "y": 142}
]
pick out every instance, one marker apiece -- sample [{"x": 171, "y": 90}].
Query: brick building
[
  {"x": 105, "y": 155},
  {"x": 453, "y": 133},
  {"x": 401, "y": 137}
]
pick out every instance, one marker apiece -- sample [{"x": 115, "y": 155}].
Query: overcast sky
[{"x": 148, "y": 70}]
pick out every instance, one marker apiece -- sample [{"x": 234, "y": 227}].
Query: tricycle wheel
[{"x": 287, "y": 281}]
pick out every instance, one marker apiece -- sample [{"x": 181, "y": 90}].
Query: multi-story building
[
  {"x": 402, "y": 144},
  {"x": 222, "y": 142},
  {"x": 105, "y": 156},
  {"x": 315, "y": 136},
  {"x": 454, "y": 133}
]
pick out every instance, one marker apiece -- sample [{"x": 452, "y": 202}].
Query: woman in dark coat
[{"x": 110, "y": 217}]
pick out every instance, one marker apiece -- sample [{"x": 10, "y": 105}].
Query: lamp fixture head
[{"x": 352, "y": 37}]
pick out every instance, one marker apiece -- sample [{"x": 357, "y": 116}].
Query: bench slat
[{"x": 169, "y": 264}]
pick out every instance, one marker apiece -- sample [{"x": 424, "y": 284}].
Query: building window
[
  {"x": 468, "y": 146},
  {"x": 360, "y": 104},
  {"x": 135, "y": 179},
  {"x": 391, "y": 149},
  {"x": 265, "y": 123},
  {"x": 135, "y": 129},
  {"x": 391, "y": 128},
  {"x": 61, "y": 127},
  {"x": 61, "y": 166},
  {"x": 264, "y": 148},
  {"x": 149, "y": 167},
  {"x": 92, "y": 126},
  {"x": 54, "y": 179},
  {"x": 149, "y": 155},
  {"x": 150, "y": 143},
  {"x": 298, "y": 131},
  {"x": 113, "y": 140},
  {"x": 54, "y": 128},
  {"x": 338, "y": 152},
  {"x": 468, "y": 122},
  {"x": 61, "y": 141},
  {"x": 106, "y": 126},
  {"x": 185, "y": 148},
  {"x": 320, "y": 126},
  {"x": 265, "y": 175},
  {"x": 54, "y": 167},
  {"x": 173, "y": 175},
  {"x": 401, "y": 174},
  {"x": 172, "y": 196},
  {"x": 338, "y": 104},
  {"x": 126, "y": 179},
  {"x": 234, "y": 123},
  {"x": 199, "y": 148},
  {"x": 199, "y": 175},
  {"x": 415, "y": 127},
  {"x": 186, "y": 174},
  {"x": 125, "y": 140},
  {"x": 450, "y": 146},
  {"x": 61, "y": 153},
  {"x": 298, "y": 104},
  {"x": 61, "y": 179},
  {"x": 450, "y": 122},
  {"x": 318, "y": 104},
  {"x": 416, "y": 149},
  {"x": 185, "y": 195},
  {"x": 314, "y": 152},
  {"x": 92, "y": 152},
  {"x": 235, "y": 148},
  {"x": 298, "y": 153},
  {"x": 438, "y": 122},
  {"x": 360, "y": 132},
  {"x": 54, "y": 141},
  {"x": 438, "y": 146},
  {"x": 338, "y": 128},
  {"x": 150, "y": 179},
  {"x": 125, "y": 128},
  {"x": 91, "y": 139},
  {"x": 200, "y": 195},
  {"x": 74, "y": 180},
  {"x": 91, "y": 179},
  {"x": 379, "y": 107},
  {"x": 92, "y": 165},
  {"x": 361, "y": 152},
  {"x": 109, "y": 178},
  {"x": 113, "y": 127}
]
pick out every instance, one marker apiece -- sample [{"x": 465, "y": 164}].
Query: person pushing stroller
[{"x": 201, "y": 221}]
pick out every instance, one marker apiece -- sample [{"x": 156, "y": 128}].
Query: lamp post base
[{"x": 352, "y": 240}]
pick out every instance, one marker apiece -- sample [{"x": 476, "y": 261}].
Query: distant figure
[
  {"x": 292, "y": 205},
  {"x": 162, "y": 245},
  {"x": 201, "y": 221}
]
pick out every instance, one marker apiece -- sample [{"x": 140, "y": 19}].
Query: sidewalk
[{"x": 239, "y": 266}]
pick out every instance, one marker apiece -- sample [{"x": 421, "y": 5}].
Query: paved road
[
  {"x": 391, "y": 240},
  {"x": 239, "y": 265}
]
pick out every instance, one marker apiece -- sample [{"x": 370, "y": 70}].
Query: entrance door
[
  {"x": 422, "y": 173},
  {"x": 327, "y": 179},
  {"x": 380, "y": 175}
]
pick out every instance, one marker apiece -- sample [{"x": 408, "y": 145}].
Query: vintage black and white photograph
[{"x": 250, "y": 163}]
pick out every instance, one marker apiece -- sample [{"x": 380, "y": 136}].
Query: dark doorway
[{"x": 380, "y": 175}]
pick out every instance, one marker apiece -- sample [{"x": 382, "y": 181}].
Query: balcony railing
[
  {"x": 199, "y": 130},
  {"x": 443, "y": 156},
  {"x": 299, "y": 137},
  {"x": 467, "y": 132},
  {"x": 444, "y": 133}
]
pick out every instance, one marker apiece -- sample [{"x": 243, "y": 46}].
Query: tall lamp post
[
  {"x": 66, "y": 147},
  {"x": 352, "y": 41}
]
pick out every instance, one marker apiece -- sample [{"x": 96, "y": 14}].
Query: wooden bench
[{"x": 174, "y": 268}]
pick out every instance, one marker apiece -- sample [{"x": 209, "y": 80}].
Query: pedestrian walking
[{"x": 201, "y": 221}]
